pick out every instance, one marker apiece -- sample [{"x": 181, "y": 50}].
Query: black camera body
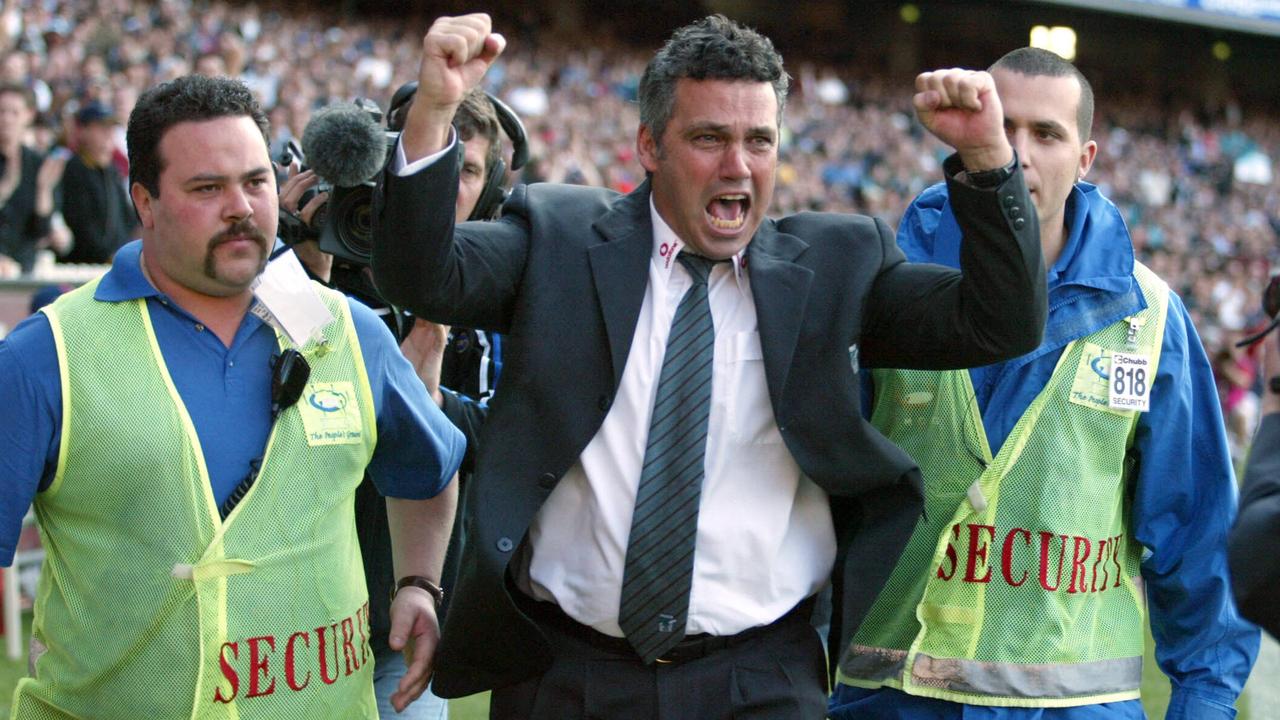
[
  {"x": 346, "y": 222},
  {"x": 346, "y": 146}
]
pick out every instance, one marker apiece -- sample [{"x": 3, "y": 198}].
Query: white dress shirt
[{"x": 765, "y": 537}]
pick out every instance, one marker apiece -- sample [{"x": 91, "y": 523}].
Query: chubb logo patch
[{"x": 331, "y": 414}]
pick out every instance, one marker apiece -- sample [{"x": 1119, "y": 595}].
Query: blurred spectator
[
  {"x": 16, "y": 68},
  {"x": 211, "y": 65},
  {"x": 46, "y": 295},
  {"x": 26, "y": 183},
  {"x": 94, "y": 202},
  {"x": 1195, "y": 182},
  {"x": 1236, "y": 371}
]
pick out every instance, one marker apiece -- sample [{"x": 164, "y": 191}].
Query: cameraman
[{"x": 426, "y": 348}]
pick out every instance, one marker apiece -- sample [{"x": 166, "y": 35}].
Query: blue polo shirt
[{"x": 227, "y": 392}]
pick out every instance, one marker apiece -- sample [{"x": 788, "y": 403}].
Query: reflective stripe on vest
[
  {"x": 149, "y": 605},
  {"x": 1015, "y": 590},
  {"x": 1002, "y": 679}
]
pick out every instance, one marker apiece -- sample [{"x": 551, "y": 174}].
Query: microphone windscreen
[{"x": 344, "y": 145}]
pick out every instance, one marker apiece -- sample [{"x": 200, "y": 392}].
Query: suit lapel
[
  {"x": 619, "y": 266},
  {"x": 780, "y": 288},
  {"x": 619, "y": 269}
]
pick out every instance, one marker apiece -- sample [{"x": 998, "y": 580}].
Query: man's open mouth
[{"x": 728, "y": 212}]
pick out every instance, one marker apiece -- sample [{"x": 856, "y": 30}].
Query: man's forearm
[
  {"x": 1004, "y": 273},
  {"x": 420, "y": 532},
  {"x": 413, "y": 233}
]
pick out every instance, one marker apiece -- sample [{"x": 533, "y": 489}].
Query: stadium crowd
[{"x": 1196, "y": 184}]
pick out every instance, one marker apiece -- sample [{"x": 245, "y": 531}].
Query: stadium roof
[{"x": 1253, "y": 16}]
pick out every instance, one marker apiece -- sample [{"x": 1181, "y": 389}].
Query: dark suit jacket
[
  {"x": 1255, "y": 540},
  {"x": 563, "y": 274}
]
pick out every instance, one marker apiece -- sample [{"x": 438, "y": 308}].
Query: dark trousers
[{"x": 773, "y": 673}]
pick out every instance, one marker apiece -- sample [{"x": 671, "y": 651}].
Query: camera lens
[{"x": 353, "y": 221}]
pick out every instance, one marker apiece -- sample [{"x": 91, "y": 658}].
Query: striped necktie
[{"x": 658, "y": 574}]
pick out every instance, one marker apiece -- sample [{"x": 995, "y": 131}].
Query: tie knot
[{"x": 698, "y": 266}]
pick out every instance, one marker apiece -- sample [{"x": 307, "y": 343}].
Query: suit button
[
  {"x": 505, "y": 544},
  {"x": 1009, "y": 200},
  {"x": 546, "y": 481},
  {"x": 603, "y": 402},
  {"x": 1018, "y": 223},
  {"x": 1015, "y": 210}
]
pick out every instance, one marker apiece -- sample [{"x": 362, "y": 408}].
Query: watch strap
[
  {"x": 993, "y": 178},
  {"x": 434, "y": 590}
]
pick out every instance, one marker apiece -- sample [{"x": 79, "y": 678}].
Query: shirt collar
[
  {"x": 125, "y": 280},
  {"x": 1105, "y": 259},
  {"x": 667, "y": 245}
]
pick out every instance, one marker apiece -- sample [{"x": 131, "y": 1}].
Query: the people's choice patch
[
  {"x": 1091, "y": 386},
  {"x": 331, "y": 414}
]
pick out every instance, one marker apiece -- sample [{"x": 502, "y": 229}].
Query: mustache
[{"x": 243, "y": 228}]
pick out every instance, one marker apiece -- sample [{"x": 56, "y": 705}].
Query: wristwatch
[
  {"x": 987, "y": 179},
  {"x": 434, "y": 590}
]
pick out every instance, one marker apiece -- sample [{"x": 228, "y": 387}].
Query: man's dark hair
[
  {"x": 713, "y": 48},
  {"x": 475, "y": 117},
  {"x": 1035, "y": 62},
  {"x": 191, "y": 98},
  {"x": 17, "y": 88}
]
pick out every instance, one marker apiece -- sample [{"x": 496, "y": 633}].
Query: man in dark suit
[{"x": 602, "y": 578}]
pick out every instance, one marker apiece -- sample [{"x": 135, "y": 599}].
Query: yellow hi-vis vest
[
  {"x": 150, "y": 607},
  {"x": 1020, "y": 586}
]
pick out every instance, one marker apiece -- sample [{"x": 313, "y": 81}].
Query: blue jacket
[{"x": 1184, "y": 491}]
